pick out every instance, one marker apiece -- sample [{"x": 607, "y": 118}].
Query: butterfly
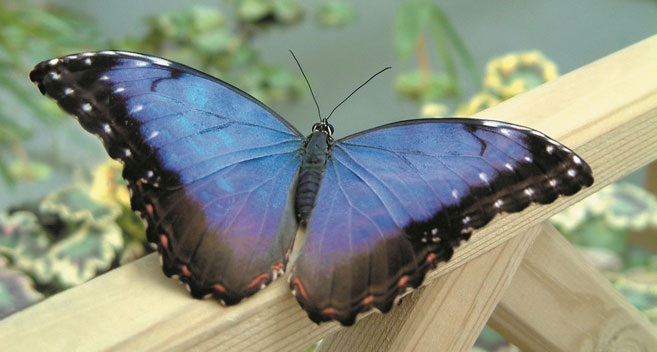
[{"x": 223, "y": 182}]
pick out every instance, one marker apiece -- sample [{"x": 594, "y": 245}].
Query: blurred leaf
[
  {"x": 415, "y": 86},
  {"x": 439, "y": 34},
  {"x": 443, "y": 23},
  {"x": 16, "y": 290},
  {"x": 287, "y": 11},
  {"x": 254, "y": 10},
  {"x": 30, "y": 170},
  {"x": 335, "y": 14},
  {"x": 22, "y": 239},
  {"x": 75, "y": 205},
  {"x": 598, "y": 234},
  {"x": 85, "y": 253},
  {"x": 410, "y": 21}
]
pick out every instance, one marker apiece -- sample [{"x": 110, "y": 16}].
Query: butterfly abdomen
[{"x": 311, "y": 174}]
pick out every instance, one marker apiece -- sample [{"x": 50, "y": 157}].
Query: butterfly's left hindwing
[
  {"x": 397, "y": 199},
  {"x": 210, "y": 169}
]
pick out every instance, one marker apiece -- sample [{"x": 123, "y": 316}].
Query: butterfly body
[
  {"x": 311, "y": 172},
  {"x": 223, "y": 183}
]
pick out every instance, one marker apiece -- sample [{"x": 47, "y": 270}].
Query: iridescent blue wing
[
  {"x": 209, "y": 167},
  {"x": 397, "y": 199}
]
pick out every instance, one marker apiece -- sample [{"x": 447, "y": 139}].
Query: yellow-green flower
[
  {"x": 479, "y": 102},
  {"x": 515, "y": 73},
  {"x": 108, "y": 185},
  {"x": 434, "y": 110}
]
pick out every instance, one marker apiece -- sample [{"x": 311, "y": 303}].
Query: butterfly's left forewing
[
  {"x": 398, "y": 199},
  {"x": 210, "y": 168}
]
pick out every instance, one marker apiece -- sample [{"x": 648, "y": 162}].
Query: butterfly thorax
[{"x": 313, "y": 164}]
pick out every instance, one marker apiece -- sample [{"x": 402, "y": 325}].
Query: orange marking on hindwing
[
  {"x": 431, "y": 257},
  {"x": 164, "y": 241},
  {"x": 367, "y": 300},
  {"x": 302, "y": 291},
  {"x": 149, "y": 209},
  {"x": 219, "y": 288},
  {"x": 402, "y": 281},
  {"x": 255, "y": 282},
  {"x": 185, "y": 271},
  {"x": 328, "y": 311},
  {"x": 278, "y": 266}
]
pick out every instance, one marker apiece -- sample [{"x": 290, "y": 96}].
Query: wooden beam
[
  {"x": 558, "y": 301},
  {"x": 606, "y": 110}
]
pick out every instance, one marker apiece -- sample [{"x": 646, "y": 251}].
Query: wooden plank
[
  {"x": 423, "y": 322},
  {"x": 558, "y": 301},
  {"x": 606, "y": 110}
]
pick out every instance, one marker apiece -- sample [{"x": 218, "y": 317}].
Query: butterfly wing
[
  {"x": 209, "y": 167},
  {"x": 397, "y": 199}
]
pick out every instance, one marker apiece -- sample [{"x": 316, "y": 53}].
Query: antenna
[
  {"x": 309, "y": 87},
  {"x": 355, "y": 90},
  {"x": 345, "y": 99}
]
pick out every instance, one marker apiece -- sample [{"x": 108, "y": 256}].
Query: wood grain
[
  {"x": 606, "y": 111},
  {"x": 558, "y": 301}
]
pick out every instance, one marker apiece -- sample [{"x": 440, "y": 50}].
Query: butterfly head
[{"x": 324, "y": 127}]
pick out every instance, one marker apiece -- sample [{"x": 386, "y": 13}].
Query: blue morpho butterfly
[{"x": 223, "y": 182}]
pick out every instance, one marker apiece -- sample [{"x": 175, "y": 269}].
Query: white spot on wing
[
  {"x": 141, "y": 64},
  {"x": 153, "y": 134},
  {"x": 107, "y": 128},
  {"x": 127, "y": 152},
  {"x": 505, "y": 132},
  {"x": 499, "y": 203},
  {"x": 528, "y": 159},
  {"x": 466, "y": 220},
  {"x": 149, "y": 173},
  {"x": 137, "y": 108},
  {"x": 119, "y": 90},
  {"x": 508, "y": 166},
  {"x": 86, "y": 107},
  {"x": 68, "y": 91},
  {"x": 104, "y": 77},
  {"x": 53, "y": 62},
  {"x": 434, "y": 231},
  {"x": 577, "y": 160},
  {"x": 553, "y": 182},
  {"x": 549, "y": 149},
  {"x": 55, "y": 75},
  {"x": 572, "y": 173},
  {"x": 455, "y": 194},
  {"x": 87, "y": 61},
  {"x": 529, "y": 191},
  {"x": 483, "y": 177}
]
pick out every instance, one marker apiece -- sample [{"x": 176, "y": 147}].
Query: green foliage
[
  {"x": 16, "y": 290},
  {"x": 414, "y": 19},
  {"x": 72, "y": 235},
  {"x": 335, "y": 14},
  {"x": 27, "y": 35}
]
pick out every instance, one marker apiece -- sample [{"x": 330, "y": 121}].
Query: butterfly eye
[
  {"x": 330, "y": 129},
  {"x": 316, "y": 127}
]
